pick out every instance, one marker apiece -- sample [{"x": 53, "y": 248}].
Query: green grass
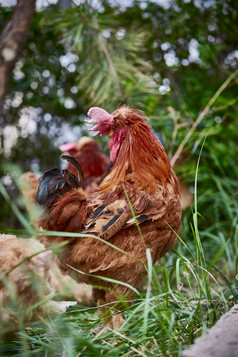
[{"x": 191, "y": 288}]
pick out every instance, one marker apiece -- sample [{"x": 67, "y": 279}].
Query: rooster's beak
[{"x": 109, "y": 134}]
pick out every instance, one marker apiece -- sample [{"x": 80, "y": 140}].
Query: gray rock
[{"x": 219, "y": 341}]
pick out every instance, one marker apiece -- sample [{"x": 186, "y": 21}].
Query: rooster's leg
[
  {"x": 106, "y": 314},
  {"x": 117, "y": 321},
  {"x": 111, "y": 319},
  {"x": 109, "y": 303}
]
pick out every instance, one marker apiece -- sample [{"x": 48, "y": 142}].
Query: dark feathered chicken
[{"x": 142, "y": 170}]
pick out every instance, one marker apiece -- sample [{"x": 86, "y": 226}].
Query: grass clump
[{"x": 186, "y": 293}]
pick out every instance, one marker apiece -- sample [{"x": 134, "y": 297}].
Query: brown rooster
[
  {"x": 94, "y": 163},
  {"x": 142, "y": 173}
]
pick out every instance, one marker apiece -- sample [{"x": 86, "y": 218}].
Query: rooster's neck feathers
[{"x": 141, "y": 157}]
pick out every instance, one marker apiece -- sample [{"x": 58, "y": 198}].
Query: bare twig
[{"x": 201, "y": 116}]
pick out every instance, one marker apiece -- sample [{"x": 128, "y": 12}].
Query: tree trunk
[{"x": 12, "y": 41}]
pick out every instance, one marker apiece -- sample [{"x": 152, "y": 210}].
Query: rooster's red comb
[{"x": 101, "y": 119}]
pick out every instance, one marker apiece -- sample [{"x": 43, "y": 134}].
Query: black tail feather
[
  {"x": 55, "y": 183},
  {"x": 76, "y": 164}
]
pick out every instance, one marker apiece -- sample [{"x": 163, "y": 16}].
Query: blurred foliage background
[{"x": 167, "y": 58}]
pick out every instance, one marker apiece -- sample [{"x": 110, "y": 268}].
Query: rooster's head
[
  {"x": 137, "y": 154},
  {"x": 115, "y": 125}
]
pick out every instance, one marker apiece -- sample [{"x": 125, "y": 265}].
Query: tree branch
[{"x": 12, "y": 41}]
